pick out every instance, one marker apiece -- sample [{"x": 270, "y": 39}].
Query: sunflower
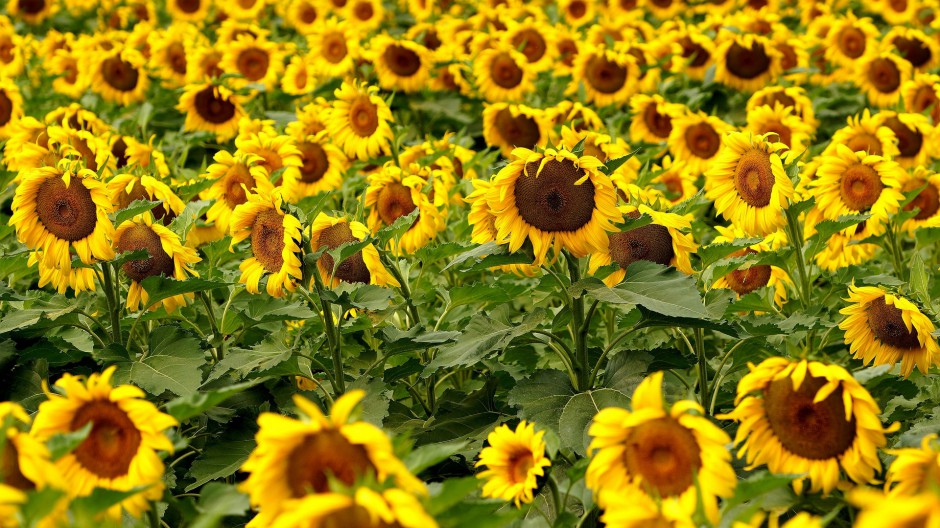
[
  {"x": 333, "y": 48},
  {"x": 849, "y": 39},
  {"x": 884, "y": 329},
  {"x": 275, "y": 243},
  {"x": 556, "y": 200},
  {"x": 236, "y": 176},
  {"x": 248, "y": 126},
  {"x": 914, "y": 46},
  {"x": 922, "y": 93},
  {"x": 697, "y": 52},
  {"x": 808, "y": 418},
  {"x": 11, "y": 107},
  {"x": 843, "y": 249},
  {"x": 897, "y": 12},
  {"x": 27, "y": 463},
  {"x": 785, "y": 127},
  {"x": 244, "y": 9},
  {"x": 666, "y": 240},
  {"x": 638, "y": 510},
  {"x": 393, "y": 193},
  {"x": 794, "y": 58},
  {"x": 202, "y": 64},
  {"x": 255, "y": 60},
  {"x": 131, "y": 153},
  {"x": 927, "y": 201},
  {"x": 211, "y": 108},
  {"x": 364, "y": 267},
  {"x": 124, "y": 189},
  {"x": 501, "y": 74},
  {"x": 514, "y": 459},
  {"x": 678, "y": 182},
  {"x": 322, "y": 168},
  {"x": 696, "y": 139},
  {"x": 364, "y": 15},
  {"x": 192, "y": 11},
  {"x": 305, "y": 15},
  {"x": 392, "y": 507},
  {"x": 119, "y": 76},
  {"x": 854, "y": 182},
  {"x": 609, "y": 77},
  {"x": 60, "y": 211},
  {"x": 15, "y": 50},
  {"x": 483, "y": 226},
  {"x": 793, "y": 97},
  {"x": 652, "y": 118},
  {"x": 576, "y": 116},
  {"x": 864, "y": 133},
  {"x": 69, "y": 80},
  {"x": 674, "y": 454},
  {"x": 297, "y": 458},
  {"x": 914, "y": 470},
  {"x": 358, "y": 121},
  {"x": 880, "y": 76},
  {"x": 169, "y": 50},
  {"x": 120, "y": 451},
  {"x": 567, "y": 47},
  {"x": 32, "y": 11},
  {"x": 84, "y": 146},
  {"x": 167, "y": 258},
  {"x": 747, "y": 62},
  {"x": 535, "y": 39},
  {"x": 400, "y": 64},
  {"x": 310, "y": 119},
  {"x": 280, "y": 155},
  {"x": 509, "y": 126},
  {"x": 746, "y": 280},
  {"x": 879, "y": 509},
  {"x": 913, "y": 132},
  {"x": 605, "y": 149}
]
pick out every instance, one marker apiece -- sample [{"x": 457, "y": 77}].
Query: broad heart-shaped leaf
[
  {"x": 263, "y": 356},
  {"x": 31, "y": 311},
  {"x": 540, "y": 396},
  {"x": 135, "y": 208},
  {"x": 483, "y": 250},
  {"x": 462, "y": 416},
  {"x": 221, "y": 458},
  {"x": 218, "y": 500},
  {"x": 395, "y": 341},
  {"x": 827, "y": 228},
  {"x": 185, "y": 407},
  {"x": 657, "y": 288},
  {"x": 485, "y": 293},
  {"x": 482, "y": 337},
  {"x": 397, "y": 228},
  {"x": 64, "y": 443},
  {"x": 264, "y": 309},
  {"x": 580, "y": 411},
  {"x": 173, "y": 363},
  {"x": 182, "y": 224},
  {"x": 159, "y": 287},
  {"x": 712, "y": 253},
  {"x": 362, "y": 296},
  {"x": 428, "y": 455}
]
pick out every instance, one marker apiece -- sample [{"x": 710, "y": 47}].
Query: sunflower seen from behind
[
  {"x": 669, "y": 452},
  {"x": 121, "y": 450},
  {"x": 275, "y": 237},
  {"x": 363, "y": 267},
  {"x": 359, "y": 121},
  {"x": 882, "y": 328},
  {"x": 808, "y": 418}
]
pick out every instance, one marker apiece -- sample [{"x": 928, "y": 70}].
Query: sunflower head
[
  {"x": 915, "y": 470},
  {"x": 880, "y": 76},
  {"x": 509, "y": 126},
  {"x": 275, "y": 242},
  {"x": 359, "y": 121},
  {"x": 696, "y": 139},
  {"x": 514, "y": 459},
  {"x": 747, "y": 62},
  {"x": 364, "y": 267},
  {"x": 212, "y": 108}
]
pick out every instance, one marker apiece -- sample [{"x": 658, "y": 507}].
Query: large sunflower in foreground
[
  {"x": 748, "y": 184},
  {"x": 236, "y": 177},
  {"x": 211, "y": 108},
  {"x": 884, "y": 329},
  {"x": 672, "y": 453},
  {"x": 514, "y": 460},
  {"x": 363, "y": 267},
  {"x": 392, "y": 507},
  {"x": 297, "y": 458},
  {"x": 808, "y": 418},
  {"x": 167, "y": 257},
  {"x": 359, "y": 121},
  {"x": 120, "y": 451},
  {"x": 915, "y": 470},
  {"x": 696, "y": 139},
  {"x": 509, "y": 126},
  {"x": 395, "y": 192},
  {"x": 556, "y": 200},
  {"x": 854, "y": 182},
  {"x": 927, "y": 201},
  {"x": 275, "y": 243}
]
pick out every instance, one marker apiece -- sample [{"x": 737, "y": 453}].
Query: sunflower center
[
  {"x": 913, "y": 51},
  {"x": 394, "y": 202},
  {"x": 533, "y": 45},
  {"x": 551, "y": 201},
  {"x": 702, "y": 140},
  {"x": 32, "y": 7},
  {"x": 6, "y": 109},
  {"x": 322, "y": 454},
  {"x": 402, "y": 61},
  {"x": 816, "y": 431},
  {"x": 910, "y": 141},
  {"x": 334, "y": 47},
  {"x": 662, "y": 3},
  {"x": 660, "y": 125},
  {"x": 119, "y": 150},
  {"x": 927, "y": 201},
  {"x": 744, "y": 281},
  {"x": 747, "y": 63},
  {"x": 784, "y": 135},
  {"x": 120, "y": 75},
  {"x": 861, "y": 187},
  {"x": 887, "y": 323},
  {"x": 884, "y": 75},
  {"x": 865, "y": 142},
  {"x": 431, "y": 40},
  {"x": 567, "y": 51},
  {"x": 694, "y": 51},
  {"x": 238, "y": 182},
  {"x": 176, "y": 56},
  {"x": 665, "y": 454},
  {"x": 143, "y": 237},
  {"x": 363, "y": 116},
  {"x": 112, "y": 443},
  {"x": 246, "y": 4},
  {"x": 267, "y": 240},
  {"x": 353, "y": 269},
  {"x": 315, "y": 162},
  {"x": 518, "y": 131},
  {"x": 651, "y": 242},
  {"x": 924, "y": 98},
  {"x": 10, "y": 473},
  {"x": 213, "y": 108},
  {"x": 253, "y": 63},
  {"x": 505, "y": 72},
  {"x": 188, "y": 6},
  {"x": 604, "y": 75},
  {"x": 852, "y": 42},
  {"x": 779, "y": 97},
  {"x": 69, "y": 213},
  {"x": 519, "y": 464},
  {"x": 898, "y": 5},
  {"x": 364, "y": 11},
  {"x": 307, "y": 14},
  {"x": 788, "y": 58},
  {"x": 754, "y": 178}
]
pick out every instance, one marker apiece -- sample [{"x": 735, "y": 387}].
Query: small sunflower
[
  {"x": 913, "y": 133},
  {"x": 236, "y": 177},
  {"x": 70, "y": 80},
  {"x": 696, "y": 139},
  {"x": 864, "y": 133},
  {"x": 793, "y": 97},
  {"x": 747, "y": 62},
  {"x": 880, "y": 76},
  {"x": 878, "y": 509},
  {"x": 278, "y": 153},
  {"x": 638, "y": 510},
  {"x": 501, "y": 74},
  {"x": 679, "y": 184},
  {"x": 514, "y": 459},
  {"x": 124, "y": 189},
  {"x": 609, "y": 77},
  {"x": 914, "y": 46},
  {"x": 193, "y": 11},
  {"x": 305, "y": 15},
  {"x": 120, "y": 451},
  {"x": 849, "y": 39},
  {"x": 927, "y": 202},
  {"x": 244, "y": 9},
  {"x": 333, "y": 48},
  {"x": 15, "y": 51},
  {"x": 697, "y": 52},
  {"x": 556, "y": 200},
  {"x": 843, "y": 249},
  {"x": 605, "y": 149},
  {"x": 32, "y": 11},
  {"x": 666, "y": 240},
  {"x": 915, "y": 470},
  {"x": 395, "y": 192},
  {"x": 535, "y": 39},
  {"x": 84, "y": 146},
  {"x": 576, "y": 116},
  {"x": 211, "y": 108},
  {"x": 922, "y": 93},
  {"x": 323, "y": 166},
  {"x": 297, "y": 458},
  {"x": 255, "y": 60},
  {"x": 275, "y": 243},
  {"x": 202, "y": 64},
  {"x": 746, "y": 280},
  {"x": 120, "y": 76},
  {"x": 854, "y": 182},
  {"x": 652, "y": 118},
  {"x": 509, "y": 126},
  {"x": 310, "y": 119},
  {"x": 358, "y": 121},
  {"x": 298, "y": 76},
  {"x": 392, "y": 507},
  {"x": 27, "y": 463},
  {"x": 364, "y": 267},
  {"x": 364, "y": 15},
  {"x": 884, "y": 329},
  {"x": 674, "y": 454},
  {"x": 11, "y": 107},
  {"x": 400, "y": 64},
  {"x": 808, "y": 418},
  {"x": 169, "y": 50},
  {"x": 783, "y": 126},
  {"x": 167, "y": 258},
  {"x": 131, "y": 153}
]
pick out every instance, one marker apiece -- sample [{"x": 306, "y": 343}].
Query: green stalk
[
  {"x": 331, "y": 336},
  {"x": 217, "y": 352},
  {"x": 795, "y": 234},
  {"x": 113, "y": 307},
  {"x": 577, "y": 321},
  {"x": 702, "y": 366}
]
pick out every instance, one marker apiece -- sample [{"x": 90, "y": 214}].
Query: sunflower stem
[
  {"x": 702, "y": 366},
  {"x": 796, "y": 241},
  {"x": 556, "y": 496},
  {"x": 331, "y": 335},
  {"x": 112, "y": 303},
  {"x": 894, "y": 247},
  {"x": 216, "y": 351},
  {"x": 577, "y": 322}
]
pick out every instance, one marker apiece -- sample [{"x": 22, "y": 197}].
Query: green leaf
[
  {"x": 159, "y": 287},
  {"x": 431, "y": 454},
  {"x": 218, "y": 500},
  {"x": 712, "y": 253},
  {"x": 448, "y": 494},
  {"x": 827, "y": 228},
  {"x": 186, "y": 407},
  {"x": 541, "y": 395},
  {"x": 39, "y": 504},
  {"x": 221, "y": 459},
  {"x": 611, "y": 166},
  {"x": 363, "y": 296},
  {"x": 135, "y": 208},
  {"x": 398, "y": 228},
  {"x": 261, "y": 357},
  {"x": 579, "y": 412},
  {"x": 266, "y": 309},
  {"x": 182, "y": 224},
  {"x": 663, "y": 290},
  {"x": 475, "y": 254},
  {"x": 100, "y": 500},
  {"x": 173, "y": 364},
  {"x": 485, "y": 293},
  {"x": 920, "y": 280},
  {"x": 396, "y": 341},
  {"x": 64, "y": 443}
]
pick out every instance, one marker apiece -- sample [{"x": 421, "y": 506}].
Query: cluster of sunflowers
[{"x": 419, "y": 197}]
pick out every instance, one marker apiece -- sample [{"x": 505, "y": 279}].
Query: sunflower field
[{"x": 469, "y": 263}]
